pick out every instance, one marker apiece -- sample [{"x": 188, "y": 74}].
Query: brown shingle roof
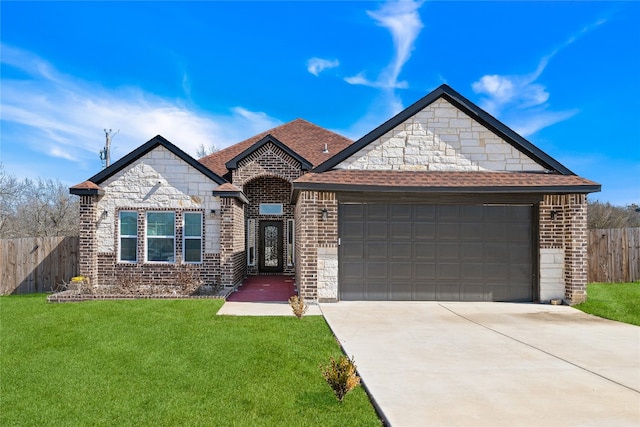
[
  {"x": 373, "y": 180},
  {"x": 87, "y": 185},
  {"x": 301, "y": 136}
]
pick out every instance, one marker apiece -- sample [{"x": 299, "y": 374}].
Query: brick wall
[
  {"x": 269, "y": 189},
  {"x": 88, "y": 260},
  {"x": 563, "y": 246},
  {"x": 316, "y": 245},
  {"x": 268, "y": 160},
  {"x": 233, "y": 257}
]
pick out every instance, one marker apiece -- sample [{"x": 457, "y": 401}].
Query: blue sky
[{"x": 566, "y": 75}]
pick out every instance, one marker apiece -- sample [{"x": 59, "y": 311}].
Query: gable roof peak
[
  {"x": 145, "y": 148},
  {"x": 464, "y": 105}
]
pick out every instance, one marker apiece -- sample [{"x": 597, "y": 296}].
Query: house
[{"x": 441, "y": 202}]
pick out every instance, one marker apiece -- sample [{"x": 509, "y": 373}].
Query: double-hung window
[
  {"x": 161, "y": 236},
  {"x": 128, "y": 248},
  {"x": 192, "y": 237}
]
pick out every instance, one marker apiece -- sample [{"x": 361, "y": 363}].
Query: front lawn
[
  {"x": 615, "y": 301},
  {"x": 165, "y": 362}
]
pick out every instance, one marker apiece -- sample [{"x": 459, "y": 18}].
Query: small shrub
[
  {"x": 298, "y": 306},
  {"x": 341, "y": 376}
]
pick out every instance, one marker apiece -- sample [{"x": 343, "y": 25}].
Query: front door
[{"x": 270, "y": 255}]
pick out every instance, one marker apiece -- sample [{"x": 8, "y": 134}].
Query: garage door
[{"x": 435, "y": 252}]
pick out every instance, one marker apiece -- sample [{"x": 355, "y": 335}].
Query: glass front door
[{"x": 271, "y": 246}]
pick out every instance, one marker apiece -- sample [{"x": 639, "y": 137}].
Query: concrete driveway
[{"x": 492, "y": 364}]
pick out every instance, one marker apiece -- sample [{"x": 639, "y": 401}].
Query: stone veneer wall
[
  {"x": 317, "y": 246},
  {"x": 158, "y": 181},
  {"x": 233, "y": 255},
  {"x": 440, "y": 138},
  {"x": 563, "y": 247}
]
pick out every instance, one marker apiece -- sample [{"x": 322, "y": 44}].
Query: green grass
[
  {"x": 164, "y": 363},
  {"x": 615, "y": 301}
]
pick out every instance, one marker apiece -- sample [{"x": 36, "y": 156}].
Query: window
[
  {"x": 251, "y": 242},
  {"x": 128, "y": 249},
  {"x": 161, "y": 236},
  {"x": 290, "y": 244},
  {"x": 192, "y": 237},
  {"x": 270, "y": 208}
]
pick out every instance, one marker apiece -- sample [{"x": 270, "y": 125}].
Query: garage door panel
[
  {"x": 448, "y": 271},
  {"x": 401, "y": 291},
  {"x": 496, "y": 251},
  {"x": 400, "y": 271},
  {"x": 448, "y": 291},
  {"x": 425, "y": 291},
  {"x": 470, "y": 252},
  {"x": 424, "y": 270},
  {"x": 376, "y": 270},
  {"x": 519, "y": 252},
  {"x": 376, "y": 230},
  {"x": 472, "y": 271},
  {"x": 435, "y": 252},
  {"x": 353, "y": 272},
  {"x": 472, "y": 213},
  {"x": 424, "y": 251},
  {"x": 353, "y": 250},
  {"x": 448, "y": 251},
  {"x": 401, "y": 251},
  {"x": 352, "y": 230},
  {"x": 377, "y": 291},
  {"x": 448, "y": 212},
  {"x": 376, "y": 212},
  {"x": 401, "y": 212},
  {"x": 424, "y": 231},
  {"x": 376, "y": 250},
  {"x": 401, "y": 231},
  {"x": 448, "y": 231}
]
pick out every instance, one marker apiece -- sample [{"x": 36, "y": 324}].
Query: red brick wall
[
  {"x": 233, "y": 256},
  {"x": 566, "y": 228},
  {"x": 311, "y": 233},
  {"x": 109, "y": 270},
  {"x": 269, "y": 189},
  {"x": 88, "y": 251}
]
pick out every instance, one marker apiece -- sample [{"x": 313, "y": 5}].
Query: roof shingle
[
  {"x": 299, "y": 135},
  {"x": 376, "y": 180}
]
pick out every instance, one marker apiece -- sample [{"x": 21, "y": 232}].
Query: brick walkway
[{"x": 264, "y": 289}]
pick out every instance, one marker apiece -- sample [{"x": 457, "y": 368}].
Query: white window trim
[
  {"x": 185, "y": 238},
  {"x": 251, "y": 242},
  {"x": 147, "y": 237},
  {"x": 127, "y": 236}
]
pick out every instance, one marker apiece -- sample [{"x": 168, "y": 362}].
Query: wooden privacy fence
[
  {"x": 614, "y": 255},
  {"x": 37, "y": 264}
]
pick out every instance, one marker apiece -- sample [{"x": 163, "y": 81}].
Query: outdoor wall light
[
  {"x": 554, "y": 214},
  {"x": 212, "y": 213},
  {"x": 105, "y": 213},
  {"x": 325, "y": 214}
]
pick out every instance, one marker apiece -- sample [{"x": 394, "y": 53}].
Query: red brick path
[{"x": 264, "y": 289}]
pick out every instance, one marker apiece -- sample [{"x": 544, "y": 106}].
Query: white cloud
[
  {"x": 317, "y": 65},
  {"x": 519, "y": 99},
  {"x": 63, "y": 117},
  {"x": 402, "y": 20}
]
